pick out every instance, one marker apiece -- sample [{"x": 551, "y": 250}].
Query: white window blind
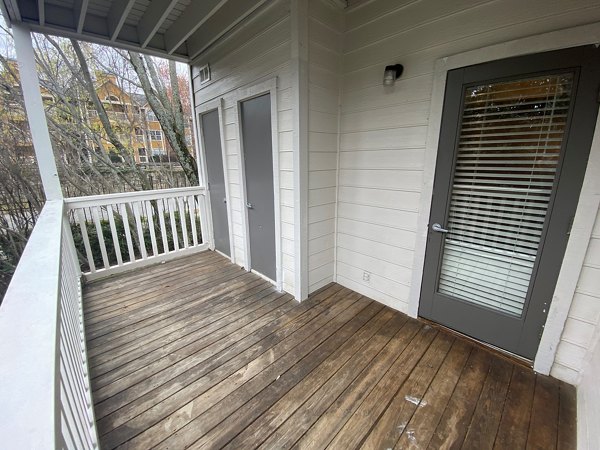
[{"x": 508, "y": 152}]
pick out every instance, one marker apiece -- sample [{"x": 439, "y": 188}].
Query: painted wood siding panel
[
  {"x": 325, "y": 27},
  {"x": 588, "y": 402},
  {"x": 582, "y": 327},
  {"x": 383, "y": 129},
  {"x": 255, "y": 52}
]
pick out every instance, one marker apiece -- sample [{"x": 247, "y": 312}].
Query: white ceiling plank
[
  {"x": 235, "y": 12},
  {"x": 190, "y": 20},
  {"x": 117, "y": 16},
  {"x": 41, "y": 12},
  {"x": 80, "y": 7},
  {"x": 153, "y": 18}
]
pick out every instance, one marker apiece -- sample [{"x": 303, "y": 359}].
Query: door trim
[
  {"x": 204, "y": 108},
  {"x": 247, "y": 93},
  {"x": 589, "y": 198}
]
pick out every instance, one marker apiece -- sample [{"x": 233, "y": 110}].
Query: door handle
[
  {"x": 437, "y": 227},
  {"x": 249, "y": 205}
]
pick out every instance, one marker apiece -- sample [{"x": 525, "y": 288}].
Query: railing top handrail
[
  {"x": 125, "y": 197},
  {"x": 28, "y": 327}
]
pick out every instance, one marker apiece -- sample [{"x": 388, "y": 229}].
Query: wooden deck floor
[{"x": 199, "y": 353}]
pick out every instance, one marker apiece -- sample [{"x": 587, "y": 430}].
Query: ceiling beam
[
  {"x": 190, "y": 20},
  {"x": 231, "y": 15},
  {"x": 116, "y": 17},
  {"x": 41, "y": 12},
  {"x": 16, "y": 12},
  {"x": 80, "y": 7},
  {"x": 153, "y": 18}
]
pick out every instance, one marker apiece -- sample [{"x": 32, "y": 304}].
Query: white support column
[
  {"x": 35, "y": 112},
  {"x": 202, "y": 177},
  {"x": 299, "y": 57}
]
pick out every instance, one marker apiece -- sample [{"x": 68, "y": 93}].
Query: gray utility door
[
  {"x": 258, "y": 164},
  {"x": 514, "y": 144},
  {"x": 213, "y": 153}
]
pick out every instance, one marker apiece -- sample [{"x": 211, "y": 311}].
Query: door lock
[
  {"x": 224, "y": 200},
  {"x": 437, "y": 227},
  {"x": 249, "y": 205}
]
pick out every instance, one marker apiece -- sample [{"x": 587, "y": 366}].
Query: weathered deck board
[{"x": 198, "y": 353}]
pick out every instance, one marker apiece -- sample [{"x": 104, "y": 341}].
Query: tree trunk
[{"x": 170, "y": 116}]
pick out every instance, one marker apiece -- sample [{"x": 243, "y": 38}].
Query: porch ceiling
[{"x": 178, "y": 29}]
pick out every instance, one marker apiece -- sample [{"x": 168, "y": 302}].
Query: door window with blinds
[
  {"x": 508, "y": 152},
  {"x": 513, "y": 148}
]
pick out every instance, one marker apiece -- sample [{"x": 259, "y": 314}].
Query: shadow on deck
[{"x": 197, "y": 352}]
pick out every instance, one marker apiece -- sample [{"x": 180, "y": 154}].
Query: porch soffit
[{"x": 176, "y": 29}]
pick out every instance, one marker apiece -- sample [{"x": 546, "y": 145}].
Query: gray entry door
[
  {"x": 258, "y": 164},
  {"x": 216, "y": 181},
  {"x": 514, "y": 144}
]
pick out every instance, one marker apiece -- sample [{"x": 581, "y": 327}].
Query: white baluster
[
  {"x": 125, "y": 217},
  {"x": 100, "y": 234},
  {"x": 140, "y": 230},
  {"x": 171, "y": 203},
  {"x": 163, "y": 228},
  {"x": 183, "y": 220},
  {"x": 150, "y": 216},
  {"x": 115, "y": 236},
  {"x": 191, "y": 201},
  {"x": 86, "y": 240}
]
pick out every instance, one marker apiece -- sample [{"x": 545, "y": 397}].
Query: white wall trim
[
  {"x": 337, "y": 183},
  {"x": 570, "y": 270},
  {"x": 199, "y": 161},
  {"x": 202, "y": 109},
  {"x": 246, "y": 93},
  {"x": 570, "y": 37},
  {"x": 299, "y": 63}
]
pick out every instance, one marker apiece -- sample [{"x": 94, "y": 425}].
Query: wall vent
[{"x": 204, "y": 74}]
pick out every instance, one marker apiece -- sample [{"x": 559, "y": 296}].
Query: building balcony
[
  {"x": 185, "y": 348},
  {"x": 198, "y": 352}
]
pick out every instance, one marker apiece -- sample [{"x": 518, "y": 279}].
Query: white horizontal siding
[
  {"x": 325, "y": 28},
  {"x": 383, "y": 129},
  {"x": 582, "y": 327},
  {"x": 253, "y": 53},
  {"x": 588, "y": 403}
]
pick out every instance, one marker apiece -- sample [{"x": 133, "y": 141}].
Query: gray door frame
[
  {"x": 561, "y": 207},
  {"x": 266, "y": 87},
  {"x": 202, "y": 109}
]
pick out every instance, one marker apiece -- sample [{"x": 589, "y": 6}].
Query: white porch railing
[
  {"x": 118, "y": 232},
  {"x": 45, "y": 392}
]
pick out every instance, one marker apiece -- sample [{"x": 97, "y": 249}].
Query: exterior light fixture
[{"x": 391, "y": 74}]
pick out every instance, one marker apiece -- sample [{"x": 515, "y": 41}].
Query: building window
[
  {"x": 113, "y": 99},
  {"x": 139, "y": 134},
  {"x": 155, "y": 135},
  {"x": 151, "y": 117},
  {"x": 158, "y": 151},
  {"x": 142, "y": 155}
]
